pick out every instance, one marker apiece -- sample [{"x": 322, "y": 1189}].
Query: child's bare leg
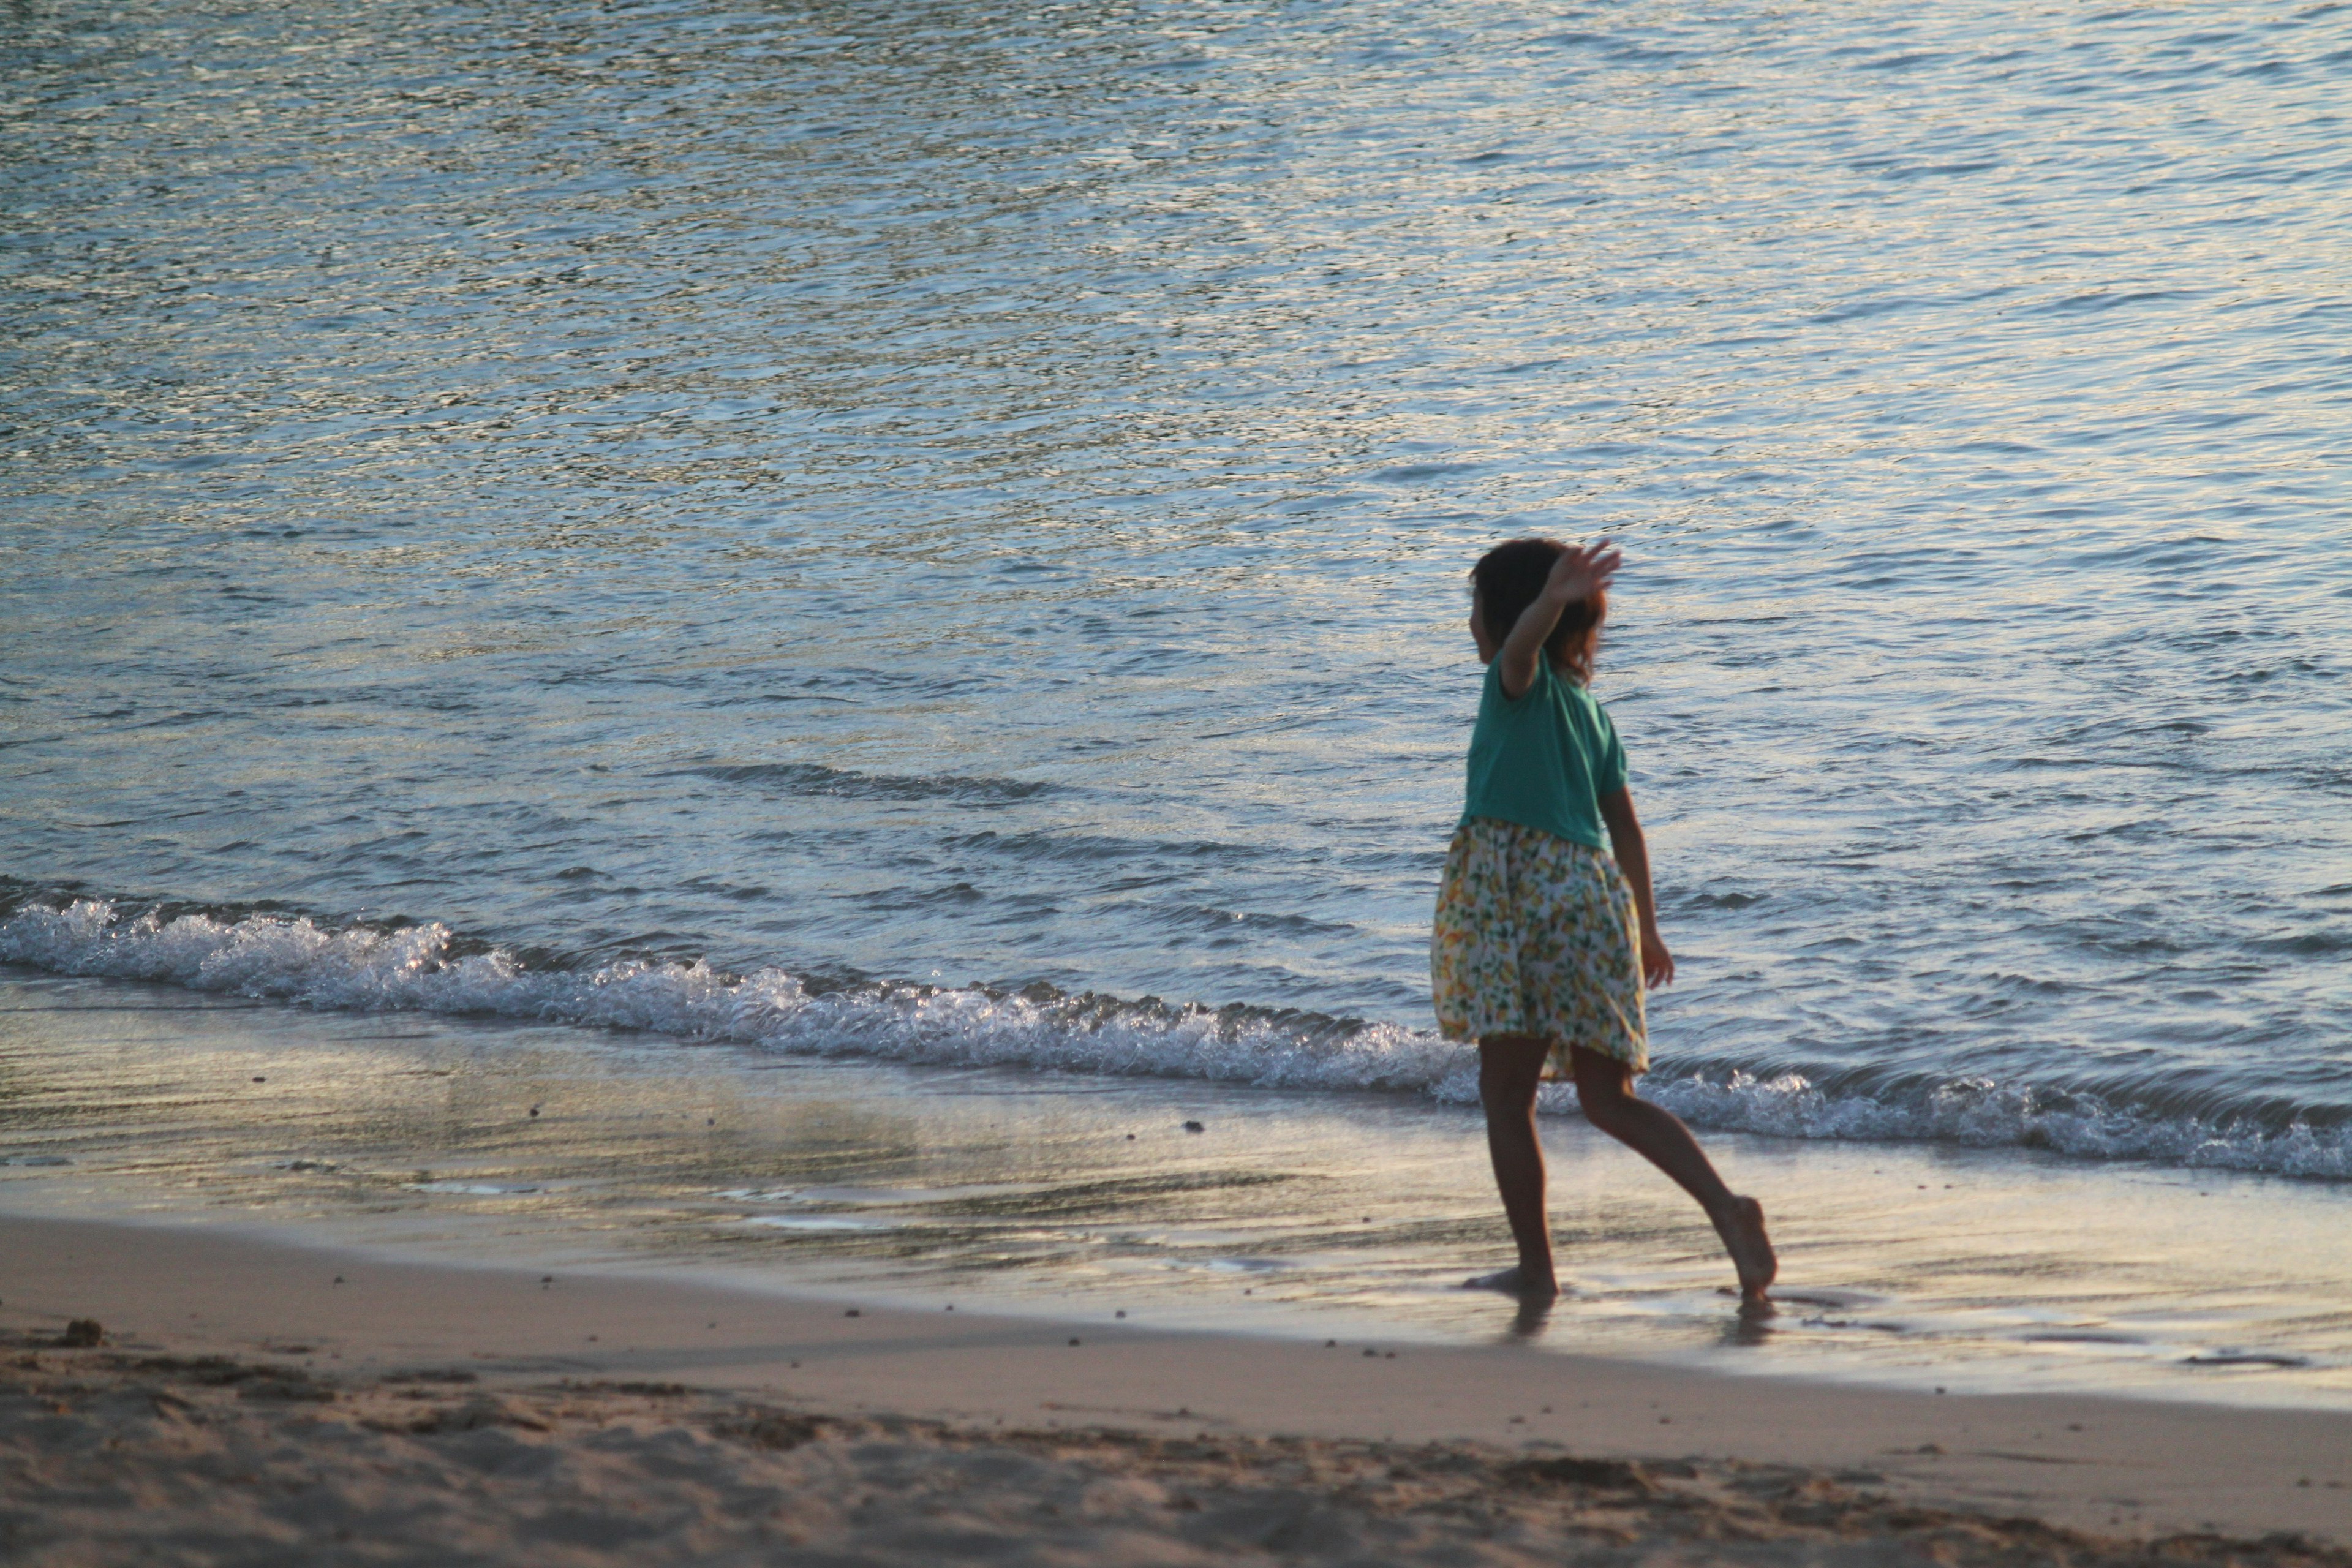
[
  {"x": 1604, "y": 1089},
  {"x": 1510, "y": 1068}
]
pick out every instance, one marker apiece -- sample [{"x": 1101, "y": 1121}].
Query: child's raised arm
[{"x": 1579, "y": 570}]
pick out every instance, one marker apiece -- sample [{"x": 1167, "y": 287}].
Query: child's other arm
[
  {"x": 1633, "y": 853},
  {"x": 1577, "y": 572}
]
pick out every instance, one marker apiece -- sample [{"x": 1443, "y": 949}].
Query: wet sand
[
  {"x": 1306, "y": 1214},
  {"x": 257, "y": 1401}
]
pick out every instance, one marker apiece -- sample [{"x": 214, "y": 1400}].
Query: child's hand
[
  {"x": 1580, "y": 570},
  {"x": 1657, "y": 963},
  {"x": 1574, "y": 575}
]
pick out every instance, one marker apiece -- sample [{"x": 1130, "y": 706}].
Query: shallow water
[
  {"x": 1083, "y": 1197},
  {"x": 929, "y": 497}
]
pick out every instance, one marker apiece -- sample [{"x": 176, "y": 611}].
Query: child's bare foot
[
  {"x": 1517, "y": 1282},
  {"x": 1742, "y": 1230}
]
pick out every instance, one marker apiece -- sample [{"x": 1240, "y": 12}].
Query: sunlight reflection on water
[{"x": 956, "y": 497}]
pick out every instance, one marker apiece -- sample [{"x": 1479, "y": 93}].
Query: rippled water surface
[{"x": 890, "y": 497}]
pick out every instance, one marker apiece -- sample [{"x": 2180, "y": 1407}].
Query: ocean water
[{"x": 938, "y": 533}]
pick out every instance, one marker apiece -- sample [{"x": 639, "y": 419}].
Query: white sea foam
[
  {"x": 1982, "y": 1114},
  {"x": 297, "y": 961}
]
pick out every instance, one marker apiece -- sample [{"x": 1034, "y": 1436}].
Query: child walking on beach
[{"x": 1536, "y": 953}]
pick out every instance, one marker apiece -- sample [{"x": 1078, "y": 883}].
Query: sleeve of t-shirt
[
  {"x": 1609, "y": 770},
  {"x": 1535, "y": 684}
]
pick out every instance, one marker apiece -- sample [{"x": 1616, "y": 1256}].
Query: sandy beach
[{"x": 243, "y": 1400}]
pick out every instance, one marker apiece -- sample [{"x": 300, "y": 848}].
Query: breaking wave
[{"x": 427, "y": 968}]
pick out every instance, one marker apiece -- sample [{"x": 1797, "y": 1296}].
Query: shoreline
[
  {"x": 1042, "y": 1194},
  {"x": 344, "y": 964},
  {"x": 334, "y": 1331}
]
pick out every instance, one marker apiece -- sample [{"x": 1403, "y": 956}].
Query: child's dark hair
[{"x": 1510, "y": 577}]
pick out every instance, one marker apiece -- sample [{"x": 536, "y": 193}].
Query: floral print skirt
[{"x": 1535, "y": 934}]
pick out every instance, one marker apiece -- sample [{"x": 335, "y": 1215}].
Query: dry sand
[{"x": 256, "y": 1401}]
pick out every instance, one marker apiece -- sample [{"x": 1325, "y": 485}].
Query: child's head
[{"x": 1508, "y": 579}]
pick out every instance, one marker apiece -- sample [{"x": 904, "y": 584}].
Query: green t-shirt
[{"x": 1545, "y": 760}]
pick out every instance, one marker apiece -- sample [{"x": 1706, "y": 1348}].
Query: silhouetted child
[{"x": 1545, "y": 938}]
